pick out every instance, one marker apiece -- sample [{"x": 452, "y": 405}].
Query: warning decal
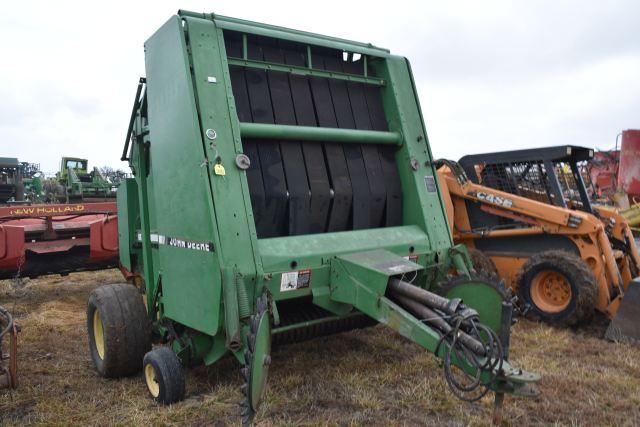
[
  {"x": 412, "y": 258},
  {"x": 293, "y": 280},
  {"x": 430, "y": 183}
]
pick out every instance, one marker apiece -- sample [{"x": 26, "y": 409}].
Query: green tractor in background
[
  {"x": 33, "y": 182},
  {"x": 74, "y": 183},
  {"x": 20, "y": 182},
  {"x": 11, "y": 187}
]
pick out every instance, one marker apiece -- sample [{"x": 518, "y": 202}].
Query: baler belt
[
  {"x": 336, "y": 162},
  {"x": 275, "y": 188},
  {"x": 313, "y": 153},
  {"x": 393, "y": 205},
  {"x": 292, "y": 158},
  {"x": 352, "y": 152},
  {"x": 370, "y": 156},
  {"x": 290, "y": 182}
]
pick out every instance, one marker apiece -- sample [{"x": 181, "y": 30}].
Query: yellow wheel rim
[
  {"x": 550, "y": 291},
  {"x": 98, "y": 333},
  {"x": 150, "y": 378}
]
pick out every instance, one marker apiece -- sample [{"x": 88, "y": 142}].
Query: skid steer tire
[
  {"x": 559, "y": 287},
  {"x": 164, "y": 376},
  {"x": 119, "y": 330},
  {"x": 482, "y": 264}
]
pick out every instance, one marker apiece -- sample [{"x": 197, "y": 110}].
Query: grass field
[{"x": 371, "y": 376}]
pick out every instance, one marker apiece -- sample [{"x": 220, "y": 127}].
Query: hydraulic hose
[
  {"x": 430, "y": 316},
  {"x": 465, "y": 339}
]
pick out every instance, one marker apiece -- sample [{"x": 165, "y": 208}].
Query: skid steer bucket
[{"x": 625, "y": 326}]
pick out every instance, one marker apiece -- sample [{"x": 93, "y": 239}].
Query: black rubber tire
[
  {"x": 168, "y": 374},
  {"x": 584, "y": 287},
  {"x": 125, "y": 326},
  {"x": 482, "y": 263}
]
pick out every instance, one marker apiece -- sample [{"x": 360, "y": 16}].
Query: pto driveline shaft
[
  {"x": 424, "y": 297},
  {"x": 436, "y": 320}
]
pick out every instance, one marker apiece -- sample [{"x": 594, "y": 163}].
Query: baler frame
[{"x": 217, "y": 279}]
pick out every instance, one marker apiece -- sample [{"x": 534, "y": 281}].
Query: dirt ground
[{"x": 372, "y": 376}]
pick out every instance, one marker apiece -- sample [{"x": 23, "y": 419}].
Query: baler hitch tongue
[
  {"x": 625, "y": 326},
  {"x": 478, "y": 352}
]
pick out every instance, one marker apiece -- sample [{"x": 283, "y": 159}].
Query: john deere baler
[{"x": 284, "y": 189}]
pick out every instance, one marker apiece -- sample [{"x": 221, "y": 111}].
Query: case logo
[{"x": 496, "y": 200}]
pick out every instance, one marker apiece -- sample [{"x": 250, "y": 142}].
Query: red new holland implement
[{"x": 57, "y": 238}]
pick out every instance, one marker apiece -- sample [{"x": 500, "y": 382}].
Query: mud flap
[{"x": 625, "y": 326}]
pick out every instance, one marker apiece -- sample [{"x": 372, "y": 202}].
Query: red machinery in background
[
  {"x": 616, "y": 173},
  {"x": 603, "y": 173},
  {"x": 615, "y": 177},
  {"x": 57, "y": 238},
  {"x": 629, "y": 170}
]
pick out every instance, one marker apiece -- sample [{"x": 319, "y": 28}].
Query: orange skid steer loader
[{"x": 526, "y": 215}]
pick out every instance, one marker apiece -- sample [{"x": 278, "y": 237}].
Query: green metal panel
[
  {"x": 309, "y": 251},
  {"x": 308, "y": 133},
  {"x": 231, "y": 202},
  {"x": 372, "y": 269},
  {"x": 484, "y": 299},
  {"x": 422, "y": 203},
  {"x": 191, "y": 279},
  {"x": 128, "y": 213},
  {"x": 257, "y": 28}
]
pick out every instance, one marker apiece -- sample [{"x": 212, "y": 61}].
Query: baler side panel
[
  {"x": 231, "y": 201},
  {"x": 190, "y": 276},
  {"x": 128, "y": 214},
  {"x": 422, "y": 204}
]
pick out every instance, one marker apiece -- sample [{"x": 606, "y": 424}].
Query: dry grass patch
[{"x": 371, "y": 376}]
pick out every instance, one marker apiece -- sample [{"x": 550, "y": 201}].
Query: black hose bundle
[
  {"x": 490, "y": 362},
  {"x": 466, "y": 340}
]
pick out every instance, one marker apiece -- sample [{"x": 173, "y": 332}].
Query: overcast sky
[{"x": 491, "y": 75}]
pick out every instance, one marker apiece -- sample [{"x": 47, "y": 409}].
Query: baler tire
[
  {"x": 583, "y": 285},
  {"x": 164, "y": 375},
  {"x": 482, "y": 263},
  {"x": 116, "y": 312}
]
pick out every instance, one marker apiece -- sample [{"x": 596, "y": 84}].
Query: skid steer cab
[
  {"x": 283, "y": 189},
  {"x": 527, "y": 216}
]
